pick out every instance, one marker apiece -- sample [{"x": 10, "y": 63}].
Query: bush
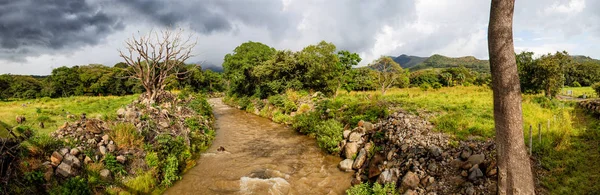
[
  {"x": 45, "y": 143},
  {"x": 596, "y": 87},
  {"x": 201, "y": 106},
  {"x": 111, "y": 163},
  {"x": 575, "y": 84},
  {"x": 305, "y": 122},
  {"x": 152, "y": 159},
  {"x": 170, "y": 171},
  {"x": 360, "y": 189},
  {"x": 75, "y": 185},
  {"x": 126, "y": 135},
  {"x": 436, "y": 85},
  {"x": 425, "y": 86},
  {"x": 279, "y": 117},
  {"x": 303, "y": 108},
  {"x": 143, "y": 183},
  {"x": 329, "y": 135}
]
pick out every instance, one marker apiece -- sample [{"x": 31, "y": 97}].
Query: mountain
[
  {"x": 407, "y": 61},
  {"x": 581, "y": 58}
]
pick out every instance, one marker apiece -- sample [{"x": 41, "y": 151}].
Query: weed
[{"x": 126, "y": 135}]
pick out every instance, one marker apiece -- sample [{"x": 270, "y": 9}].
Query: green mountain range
[{"x": 414, "y": 63}]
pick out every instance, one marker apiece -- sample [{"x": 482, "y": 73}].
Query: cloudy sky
[{"x": 36, "y": 36}]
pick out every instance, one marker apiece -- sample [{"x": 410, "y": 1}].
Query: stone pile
[
  {"x": 404, "y": 150},
  {"x": 591, "y": 105},
  {"x": 92, "y": 142}
]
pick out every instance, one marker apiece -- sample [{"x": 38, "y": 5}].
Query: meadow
[{"x": 54, "y": 111}]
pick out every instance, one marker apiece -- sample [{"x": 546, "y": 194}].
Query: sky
[{"x": 37, "y": 36}]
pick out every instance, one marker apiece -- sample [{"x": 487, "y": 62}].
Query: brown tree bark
[{"x": 513, "y": 162}]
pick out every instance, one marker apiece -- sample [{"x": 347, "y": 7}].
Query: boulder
[
  {"x": 64, "y": 170},
  {"x": 64, "y": 151},
  {"x": 71, "y": 160},
  {"x": 355, "y": 136},
  {"x": 56, "y": 158},
  {"x": 346, "y": 133},
  {"x": 476, "y": 159},
  {"x": 105, "y": 174},
  {"x": 435, "y": 151},
  {"x": 131, "y": 115},
  {"x": 350, "y": 149},
  {"x": 106, "y": 138},
  {"x": 121, "y": 112},
  {"x": 121, "y": 159},
  {"x": 374, "y": 169},
  {"x": 465, "y": 154},
  {"x": 368, "y": 126},
  {"x": 410, "y": 180},
  {"x": 360, "y": 159},
  {"x": 346, "y": 165},
  {"x": 74, "y": 152},
  {"x": 388, "y": 176},
  {"x": 410, "y": 192},
  {"x": 475, "y": 174},
  {"x": 102, "y": 150}
]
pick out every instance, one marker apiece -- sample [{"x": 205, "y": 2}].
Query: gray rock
[
  {"x": 410, "y": 192},
  {"x": 75, "y": 151},
  {"x": 476, "y": 159},
  {"x": 64, "y": 170},
  {"x": 105, "y": 138},
  {"x": 476, "y": 173},
  {"x": 432, "y": 167},
  {"x": 470, "y": 190},
  {"x": 465, "y": 154},
  {"x": 346, "y": 133},
  {"x": 105, "y": 174},
  {"x": 346, "y": 165},
  {"x": 121, "y": 159},
  {"x": 350, "y": 149},
  {"x": 121, "y": 112},
  {"x": 63, "y": 151},
  {"x": 102, "y": 150},
  {"x": 388, "y": 176},
  {"x": 368, "y": 126},
  {"x": 435, "y": 151},
  {"x": 355, "y": 136},
  {"x": 360, "y": 159},
  {"x": 410, "y": 181},
  {"x": 72, "y": 160}
]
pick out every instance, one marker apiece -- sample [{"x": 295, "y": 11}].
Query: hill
[
  {"x": 439, "y": 61},
  {"x": 407, "y": 61}
]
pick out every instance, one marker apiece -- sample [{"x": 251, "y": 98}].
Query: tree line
[{"x": 100, "y": 80}]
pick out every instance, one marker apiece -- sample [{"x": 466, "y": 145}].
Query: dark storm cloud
[{"x": 28, "y": 26}]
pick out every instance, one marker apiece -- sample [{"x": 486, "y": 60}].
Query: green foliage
[
  {"x": 596, "y": 87},
  {"x": 439, "y": 61},
  {"x": 45, "y": 143},
  {"x": 575, "y": 84},
  {"x": 34, "y": 178},
  {"x": 360, "y": 189},
  {"x": 387, "y": 189},
  {"x": 329, "y": 135},
  {"x": 436, "y": 86},
  {"x": 305, "y": 123},
  {"x": 74, "y": 185},
  {"x": 238, "y": 67},
  {"x": 126, "y": 135},
  {"x": 201, "y": 106},
  {"x": 425, "y": 86},
  {"x": 111, "y": 163},
  {"x": 283, "y": 103},
  {"x": 152, "y": 159},
  {"x": 170, "y": 171},
  {"x": 388, "y": 72},
  {"x": 144, "y": 183},
  {"x": 544, "y": 74}
]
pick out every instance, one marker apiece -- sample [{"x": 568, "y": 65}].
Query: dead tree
[
  {"x": 388, "y": 72},
  {"x": 514, "y": 172},
  {"x": 153, "y": 57}
]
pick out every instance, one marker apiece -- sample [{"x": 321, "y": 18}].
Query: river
[{"x": 261, "y": 157}]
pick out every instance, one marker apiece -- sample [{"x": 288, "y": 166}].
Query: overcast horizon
[{"x": 37, "y": 36}]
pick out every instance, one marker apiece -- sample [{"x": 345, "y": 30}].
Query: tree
[
  {"x": 347, "y": 60},
  {"x": 238, "y": 67},
  {"x": 514, "y": 171},
  {"x": 321, "y": 65},
  {"x": 551, "y": 71},
  {"x": 387, "y": 72},
  {"x": 527, "y": 68},
  {"x": 155, "y": 56}
]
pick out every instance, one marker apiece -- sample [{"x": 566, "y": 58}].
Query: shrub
[
  {"x": 387, "y": 189},
  {"x": 596, "y": 87},
  {"x": 201, "y": 106},
  {"x": 305, "y": 122},
  {"x": 170, "y": 171},
  {"x": 436, "y": 86},
  {"x": 34, "y": 178},
  {"x": 126, "y": 135},
  {"x": 45, "y": 143},
  {"x": 279, "y": 117},
  {"x": 425, "y": 86},
  {"x": 360, "y": 189},
  {"x": 329, "y": 135},
  {"x": 303, "y": 108},
  {"x": 75, "y": 185},
  {"x": 143, "y": 183},
  {"x": 111, "y": 163},
  {"x": 152, "y": 159}
]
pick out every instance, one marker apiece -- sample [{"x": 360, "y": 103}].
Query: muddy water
[{"x": 261, "y": 157}]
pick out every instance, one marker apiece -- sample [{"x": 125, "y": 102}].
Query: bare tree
[
  {"x": 155, "y": 56},
  {"x": 513, "y": 162},
  {"x": 388, "y": 72}
]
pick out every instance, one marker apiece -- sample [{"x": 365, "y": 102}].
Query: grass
[
  {"x": 54, "y": 111},
  {"x": 579, "y": 91}
]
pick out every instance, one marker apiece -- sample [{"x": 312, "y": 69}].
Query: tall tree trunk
[{"x": 513, "y": 162}]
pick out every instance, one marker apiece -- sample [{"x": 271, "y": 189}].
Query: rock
[
  {"x": 346, "y": 165},
  {"x": 74, "y": 152},
  {"x": 56, "y": 158},
  {"x": 70, "y": 116},
  {"x": 492, "y": 172},
  {"x": 131, "y": 115},
  {"x": 466, "y": 166},
  {"x": 221, "y": 149},
  {"x": 64, "y": 126},
  {"x": 64, "y": 170},
  {"x": 350, "y": 149},
  {"x": 410, "y": 192},
  {"x": 374, "y": 163},
  {"x": 64, "y": 151},
  {"x": 87, "y": 160},
  {"x": 432, "y": 167},
  {"x": 470, "y": 190},
  {"x": 21, "y": 119},
  {"x": 92, "y": 127},
  {"x": 106, "y": 138},
  {"x": 111, "y": 147},
  {"x": 72, "y": 160},
  {"x": 346, "y": 133},
  {"x": 163, "y": 124},
  {"x": 410, "y": 181},
  {"x": 48, "y": 174},
  {"x": 121, "y": 112},
  {"x": 475, "y": 173},
  {"x": 105, "y": 174},
  {"x": 435, "y": 151},
  {"x": 476, "y": 159},
  {"x": 360, "y": 159},
  {"x": 465, "y": 153},
  {"x": 388, "y": 176},
  {"x": 355, "y": 136},
  {"x": 102, "y": 150},
  {"x": 464, "y": 173},
  {"x": 360, "y": 123},
  {"x": 121, "y": 159},
  {"x": 368, "y": 126}
]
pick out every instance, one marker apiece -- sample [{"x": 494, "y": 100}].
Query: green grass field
[
  {"x": 55, "y": 111},
  {"x": 578, "y": 91}
]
